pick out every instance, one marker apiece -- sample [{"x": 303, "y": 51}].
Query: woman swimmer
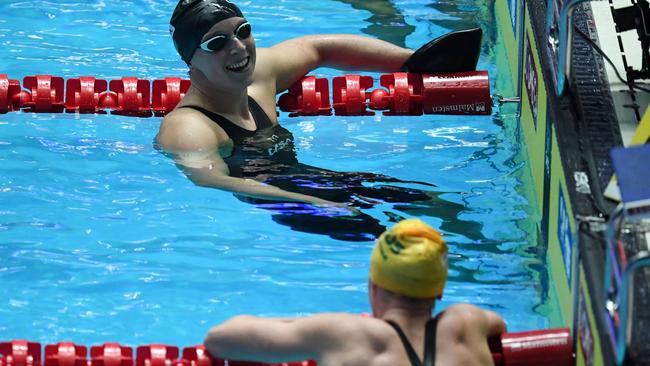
[{"x": 225, "y": 133}]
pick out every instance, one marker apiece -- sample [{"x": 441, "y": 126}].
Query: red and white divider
[
  {"x": 24, "y": 353},
  {"x": 534, "y": 348},
  {"x": 548, "y": 347},
  {"x": 402, "y": 94},
  {"x": 127, "y": 96}
]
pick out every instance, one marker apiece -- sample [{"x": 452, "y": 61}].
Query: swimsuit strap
[
  {"x": 234, "y": 131},
  {"x": 413, "y": 356},
  {"x": 430, "y": 340},
  {"x": 262, "y": 120}
]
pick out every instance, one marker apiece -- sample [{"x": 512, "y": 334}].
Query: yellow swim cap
[{"x": 410, "y": 259}]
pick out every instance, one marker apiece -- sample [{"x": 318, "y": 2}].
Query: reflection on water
[
  {"x": 103, "y": 239},
  {"x": 467, "y": 14},
  {"x": 386, "y": 22}
]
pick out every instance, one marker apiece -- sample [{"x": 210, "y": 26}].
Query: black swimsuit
[
  {"x": 267, "y": 150},
  {"x": 268, "y": 154},
  {"x": 429, "y": 343}
]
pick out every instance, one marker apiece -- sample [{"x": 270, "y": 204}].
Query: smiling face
[{"x": 232, "y": 65}]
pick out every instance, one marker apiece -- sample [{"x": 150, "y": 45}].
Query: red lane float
[
  {"x": 462, "y": 93},
  {"x": 156, "y": 355},
  {"x": 534, "y": 348},
  {"x": 46, "y": 94},
  {"x": 24, "y": 353},
  {"x": 83, "y": 93},
  {"x": 350, "y": 94},
  {"x": 65, "y": 354},
  {"x": 21, "y": 353},
  {"x": 307, "y": 97},
  {"x": 167, "y": 93},
  {"x": 133, "y": 96},
  {"x": 402, "y": 94},
  {"x": 11, "y": 96},
  {"x": 9, "y": 89}
]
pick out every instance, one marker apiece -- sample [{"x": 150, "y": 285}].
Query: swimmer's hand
[
  {"x": 338, "y": 207},
  {"x": 452, "y": 52}
]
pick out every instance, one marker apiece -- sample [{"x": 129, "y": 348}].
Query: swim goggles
[{"x": 218, "y": 42}]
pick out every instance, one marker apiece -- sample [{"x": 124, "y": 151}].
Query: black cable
[
  {"x": 597, "y": 201},
  {"x": 593, "y": 44}
]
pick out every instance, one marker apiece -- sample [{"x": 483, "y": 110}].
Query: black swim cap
[{"x": 193, "y": 18}]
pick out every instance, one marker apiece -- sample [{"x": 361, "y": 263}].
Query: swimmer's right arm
[
  {"x": 465, "y": 330},
  {"x": 195, "y": 149},
  {"x": 277, "y": 340},
  {"x": 212, "y": 171}
]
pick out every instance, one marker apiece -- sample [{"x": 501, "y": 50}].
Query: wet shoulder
[
  {"x": 359, "y": 340},
  {"x": 347, "y": 324},
  {"x": 188, "y": 129},
  {"x": 461, "y": 336},
  {"x": 460, "y": 318}
]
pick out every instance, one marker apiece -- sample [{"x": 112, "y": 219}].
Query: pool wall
[{"x": 550, "y": 128}]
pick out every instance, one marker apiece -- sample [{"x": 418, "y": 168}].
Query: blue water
[{"x": 102, "y": 238}]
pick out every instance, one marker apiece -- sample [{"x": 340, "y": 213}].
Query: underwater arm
[
  {"x": 195, "y": 149},
  {"x": 213, "y": 172}
]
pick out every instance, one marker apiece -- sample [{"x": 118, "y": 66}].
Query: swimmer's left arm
[
  {"x": 290, "y": 60},
  {"x": 272, "y": 339}
]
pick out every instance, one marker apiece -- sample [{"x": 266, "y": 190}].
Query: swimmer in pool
[
  {"x": 225, "y": 133},
  {"x": 408, "y": 272}
]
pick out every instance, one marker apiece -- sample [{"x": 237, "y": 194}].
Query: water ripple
[{"x": 103, "y": 238}]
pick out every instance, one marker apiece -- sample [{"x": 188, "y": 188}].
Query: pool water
[{"x": 102, "y": 238}]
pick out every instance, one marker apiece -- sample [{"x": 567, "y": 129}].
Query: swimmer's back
[
  {"x": 335, "y": 339},
  {"x": 461, "y": 336}
]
